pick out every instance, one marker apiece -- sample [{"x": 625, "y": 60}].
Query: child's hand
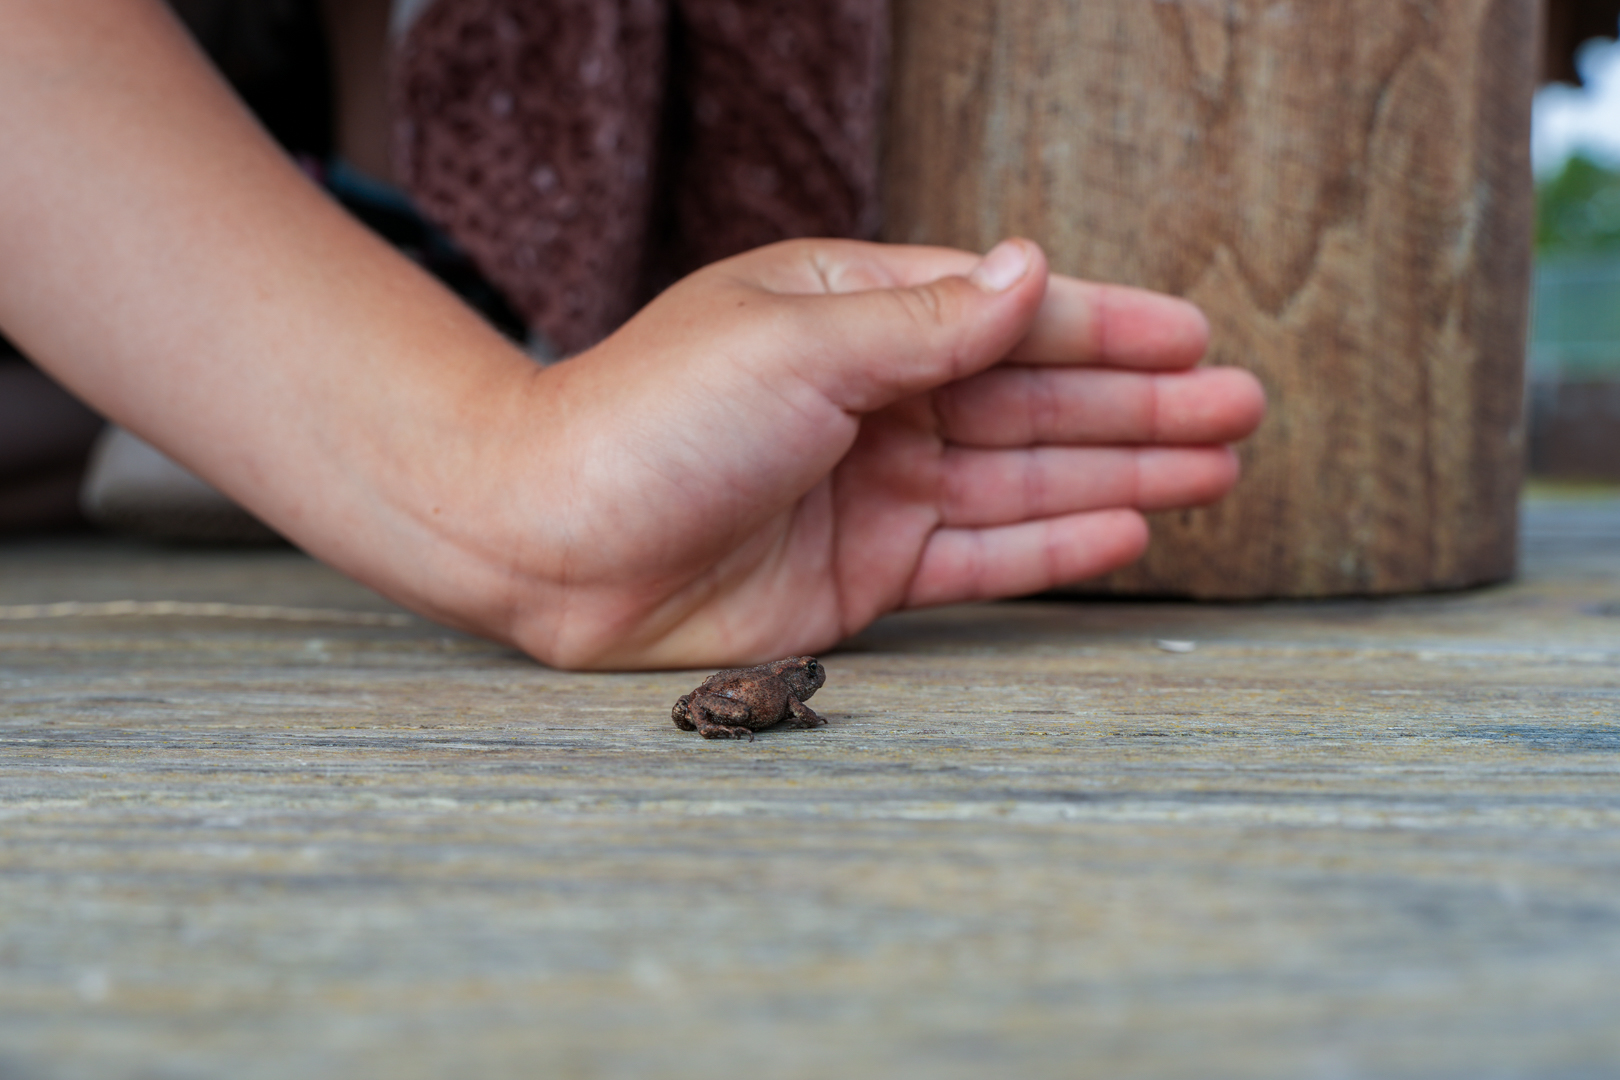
[
  {"x": 793, "y": 442},
  {"x": 775, "y": 452}
]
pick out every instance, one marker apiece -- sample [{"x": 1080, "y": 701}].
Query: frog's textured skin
[{"x": 736, "y": 703}]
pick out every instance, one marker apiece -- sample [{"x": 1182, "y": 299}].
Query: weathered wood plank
[
  {"x": 1355, "y": 838},
  {"x": 1345, "y": 189}
]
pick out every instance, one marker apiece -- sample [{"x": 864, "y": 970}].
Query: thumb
[{"x": 883, "y": 344}]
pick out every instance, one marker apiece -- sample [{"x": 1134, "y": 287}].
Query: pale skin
[{"x": 775, "y": 452}]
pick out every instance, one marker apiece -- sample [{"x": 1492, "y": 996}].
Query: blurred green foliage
[{"x": 1578, "y": 210}]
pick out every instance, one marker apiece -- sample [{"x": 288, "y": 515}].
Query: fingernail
[{"x": 998, "y": 271}]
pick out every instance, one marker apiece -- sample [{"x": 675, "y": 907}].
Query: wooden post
[{"x": 1343, "y": 187}]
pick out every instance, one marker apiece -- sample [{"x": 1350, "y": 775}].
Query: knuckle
[
  {"x": 1036, "y": 492},
  {"x": 930, "y": 307},
  {"x": 1041, "y": 415}
]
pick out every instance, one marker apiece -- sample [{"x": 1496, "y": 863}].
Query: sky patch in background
[{"x": 1570, "y": 119}]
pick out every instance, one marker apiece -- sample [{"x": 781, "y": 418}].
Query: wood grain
[
  {"x": 1345, "y": 838},
  {"x": 1344, "y": 188}
]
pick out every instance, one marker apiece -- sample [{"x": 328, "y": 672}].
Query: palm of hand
[{"x": 848, "y": 444}]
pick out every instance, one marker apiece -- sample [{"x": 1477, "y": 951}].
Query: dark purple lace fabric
[{"x": 586, "y": 153}]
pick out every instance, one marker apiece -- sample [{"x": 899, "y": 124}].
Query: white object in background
[{"x": 131, "y": 487}]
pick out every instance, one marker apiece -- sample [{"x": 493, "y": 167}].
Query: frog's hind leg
[
  {"x": 801, "y": 715},
  {"x": 706, "y": 709}
]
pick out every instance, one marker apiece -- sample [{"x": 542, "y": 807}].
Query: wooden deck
[{"x": 1344, "y": 839}]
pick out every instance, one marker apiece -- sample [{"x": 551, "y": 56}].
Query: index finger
[
  {"x": 1079, "y": 322},
  {"x": 1082, "y": 322}
]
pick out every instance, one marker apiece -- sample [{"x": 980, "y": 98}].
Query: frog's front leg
[
  {"x": 802, "y": 715},
  {"x": 706, "y": 709},
  {"x": 682, "y": 713}
]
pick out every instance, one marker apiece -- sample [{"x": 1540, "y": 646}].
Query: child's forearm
[{"x": 161, "y": 257}]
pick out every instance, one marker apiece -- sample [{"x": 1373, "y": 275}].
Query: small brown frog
[{"x": 739, "y": 702}]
